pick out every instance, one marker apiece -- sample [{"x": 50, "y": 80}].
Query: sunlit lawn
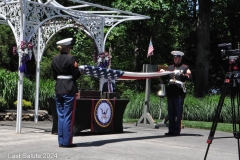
[{"x": 225, "y": 127}]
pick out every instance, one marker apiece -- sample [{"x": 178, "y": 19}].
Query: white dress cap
[
  {"x": 65, "y": 42},
  {"x": 177, "y": 53}
]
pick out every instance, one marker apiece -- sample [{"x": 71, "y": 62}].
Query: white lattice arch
[
  {"x": 38, "y": 22},
  {"x": 46, "y": 37}
]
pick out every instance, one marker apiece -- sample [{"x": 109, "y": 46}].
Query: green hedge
[
  {"x": 196, "y": 109},
  {"x": 9, "y": 90}
]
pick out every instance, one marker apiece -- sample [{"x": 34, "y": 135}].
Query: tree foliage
[
  {"x": 172, "y": 26},
  {"x": 7, "y": 41}
]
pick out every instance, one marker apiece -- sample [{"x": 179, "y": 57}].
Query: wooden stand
[{"x": 146, "y": 119}]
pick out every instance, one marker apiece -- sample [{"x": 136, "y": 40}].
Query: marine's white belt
[
  {"x": 64, "y": 77},
  {"x": 176, "y": 81}
]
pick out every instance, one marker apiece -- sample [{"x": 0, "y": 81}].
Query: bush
[
  {"x": 135, "y": 107},
  {"x": 9, "y": 89},
  {"x": 195, "y": 109},
  {"x": 3, "y": 104},
  {"x": 25, "y": 104},
  {"x": 8, "y": 86}
]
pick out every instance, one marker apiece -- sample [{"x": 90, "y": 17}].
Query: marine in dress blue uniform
[
  {"x": 65, "y": 72},
  {"x": 176, "y": 91}
]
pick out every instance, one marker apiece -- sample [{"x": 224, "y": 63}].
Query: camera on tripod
[{"x": 227, "y": 52}]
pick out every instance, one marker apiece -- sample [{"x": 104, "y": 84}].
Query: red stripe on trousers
[{"x": 73, "y": 118}]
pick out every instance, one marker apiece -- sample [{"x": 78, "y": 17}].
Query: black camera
[{"x": 227, "y": 52}]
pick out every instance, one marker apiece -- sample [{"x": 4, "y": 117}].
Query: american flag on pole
[
  {"x": 106, "y": 73},
  {"x": 150, "y": 49}
]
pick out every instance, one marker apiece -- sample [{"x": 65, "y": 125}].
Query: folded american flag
[{"x": 106, "y": 73}]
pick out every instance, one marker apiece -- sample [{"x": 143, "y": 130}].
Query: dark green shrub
[
  {"x": 195, "y": 109},
  {"x": 128, "y": 94},
  {"x": 9, "y": 89},
  {"x": 8, "y": 86},
  {"x": 3, "y": 104},
  {"x": 46, "y": 90},
  {"x": 135, "y": 107}
]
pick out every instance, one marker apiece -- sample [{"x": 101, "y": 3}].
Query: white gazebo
[{"x": 35, "y": 22}]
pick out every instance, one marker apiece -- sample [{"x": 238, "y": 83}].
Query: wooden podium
[
  {"x": 85, "y": 115},
  {"x": 88, "y": 94}
]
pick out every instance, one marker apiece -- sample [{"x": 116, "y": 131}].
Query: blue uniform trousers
[
  {"x": 65, "y": 104},
  {"x": 175, "y": 107}
]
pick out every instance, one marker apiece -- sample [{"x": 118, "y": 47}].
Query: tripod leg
[
  {"x": 238, "y": 150},
  {"x": 216, "y": 117},
  {"x": 236, "y": 114}
]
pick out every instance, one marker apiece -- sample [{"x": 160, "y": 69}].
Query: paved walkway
[{"x": 136, "y": 143}]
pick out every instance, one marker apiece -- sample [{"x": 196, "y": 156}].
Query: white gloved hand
[
  {"x": 99, "y": 60},
  {"x": 81, "y": 68},
  {"x": 162, "y": 70},
  {"x": 188, "y": 71},
  {"x": 177, "y": 72}
]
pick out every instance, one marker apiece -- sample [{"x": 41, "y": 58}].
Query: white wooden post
[
  {"x": 37, "y": 79},
  {"x": 20, "y": 78}
]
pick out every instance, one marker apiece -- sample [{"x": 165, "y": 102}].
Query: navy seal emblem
[{"x": 103, "y": 112}]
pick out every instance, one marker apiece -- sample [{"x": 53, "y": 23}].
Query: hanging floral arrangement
[{"x": 25, "y": 51}]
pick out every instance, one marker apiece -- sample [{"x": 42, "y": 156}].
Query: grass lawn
[{"x": 225, "y": 127}]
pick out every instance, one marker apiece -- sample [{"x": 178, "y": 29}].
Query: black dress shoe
[
  {"x": 70, "y": 146},
  {"x": 176, "y": 134},
  {"x": 168, "y": 134}
]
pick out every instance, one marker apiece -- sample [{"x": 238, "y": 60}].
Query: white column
[
  {"x": 37, "y": 79},
  {"x": 19, "y": 99},
  {"x": 37, "y": 92},
  {"x": 20, "y": 75}
]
